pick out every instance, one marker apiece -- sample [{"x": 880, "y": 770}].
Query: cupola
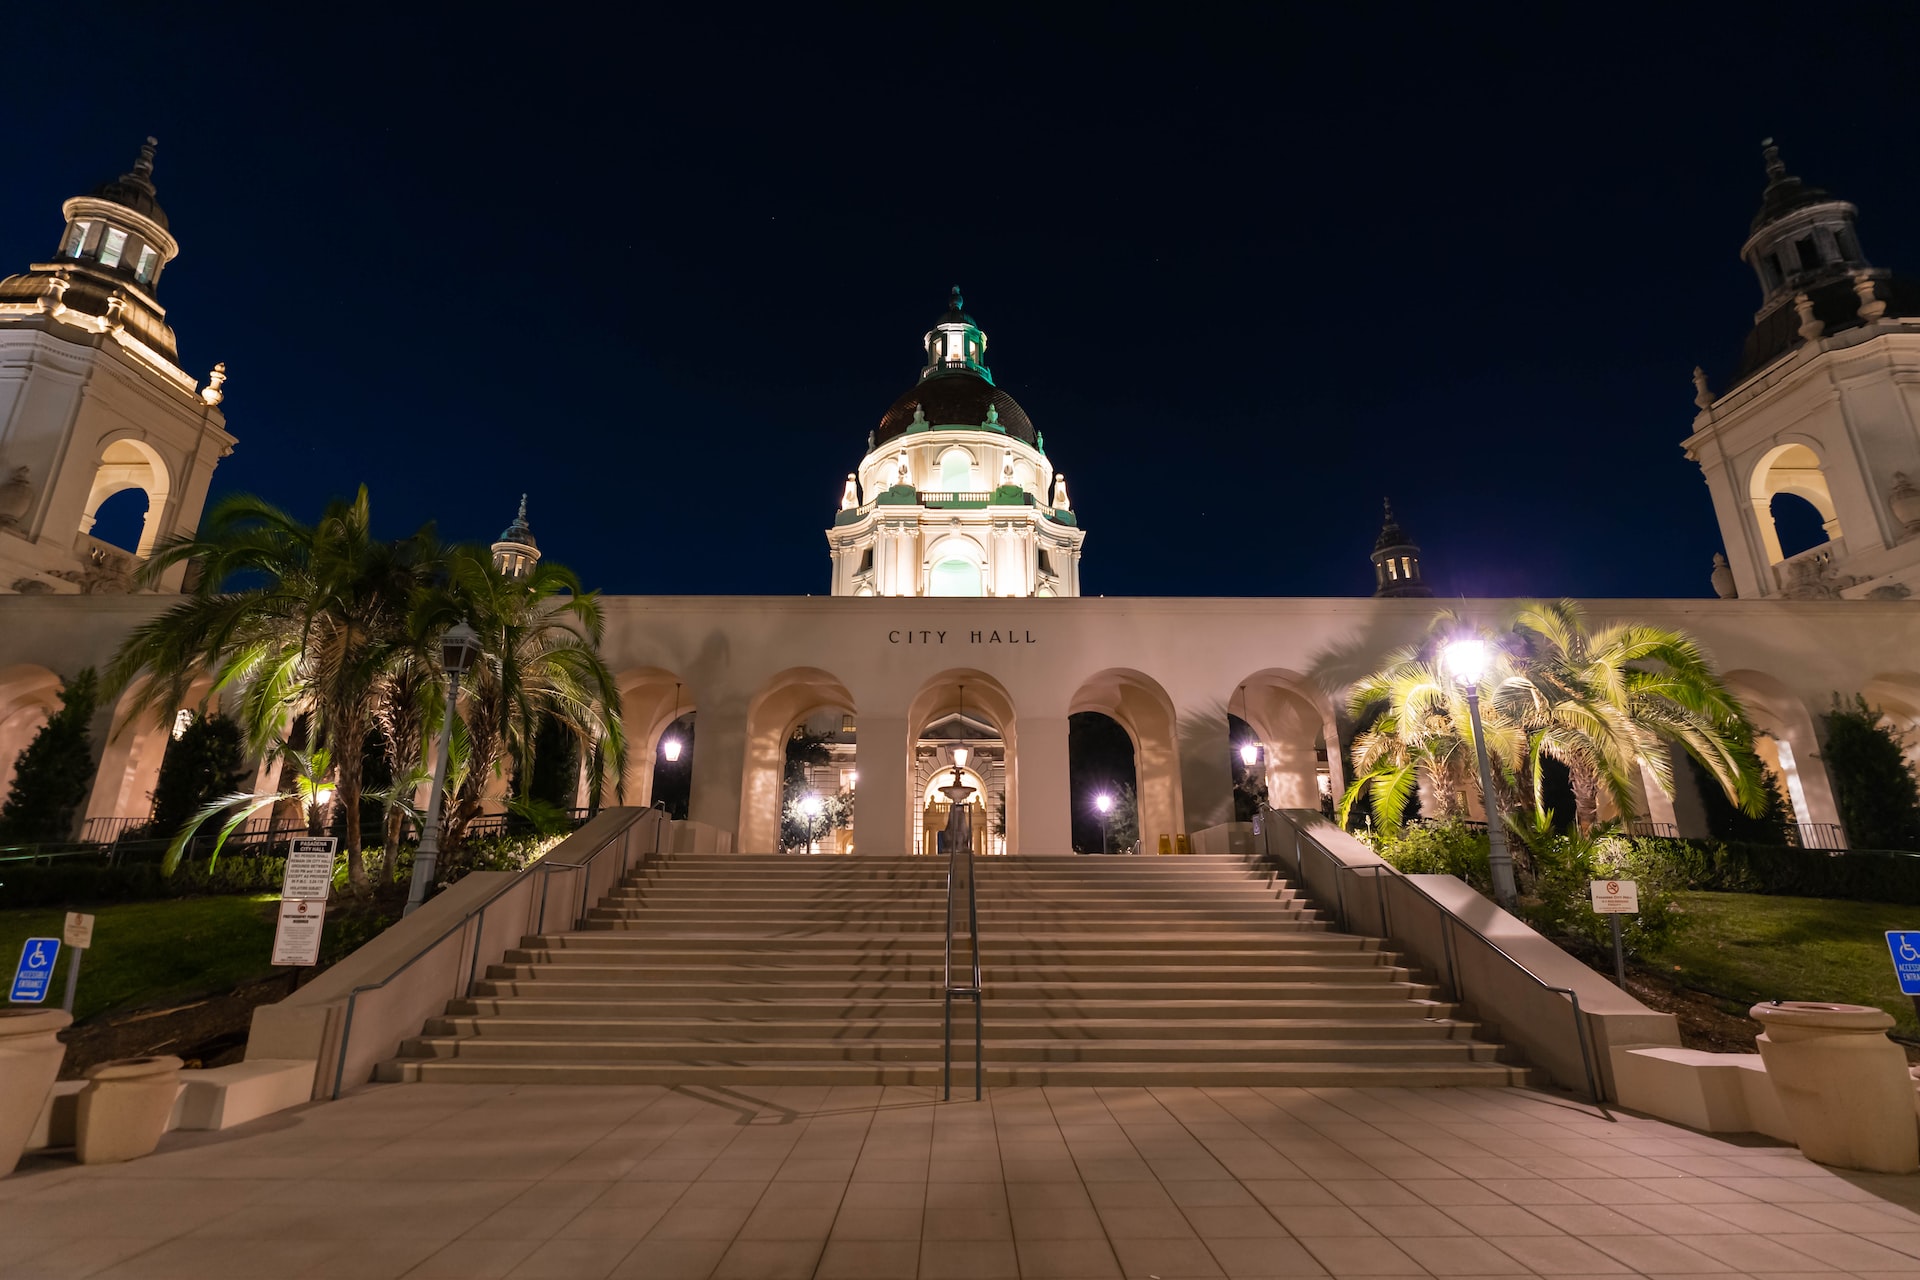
[
  {"x": 515, "y": 554},
  {"x": 1396, "y": 561},
  {"x": 956, "y": 343},
  {"x": 119, "y": 228},
  {"x": 1802, "y": 238}
]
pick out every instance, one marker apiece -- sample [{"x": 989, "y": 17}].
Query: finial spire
[
  {"x": 1776, "y": 168},
  {"x": 1386, "y": 508},
  {"x": 958, "y": 303},
  {"x": 523, "y": 508},
  {"x": 143, "y": 167}
]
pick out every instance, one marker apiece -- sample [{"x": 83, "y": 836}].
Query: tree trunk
[
  {"x": 349, "y": 747},
  {"x": 1586, "y": 798}
]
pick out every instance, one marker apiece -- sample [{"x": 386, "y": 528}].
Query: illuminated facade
[
  {"x": 94, "y": 401},
  {"x": 956, "y": 496},
  {"x": 1824, "y": 409}
]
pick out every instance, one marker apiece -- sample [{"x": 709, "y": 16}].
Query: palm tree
[
  {"x": 312, "y": 627},
  {"x": 538, "y": 636},
  {"x": 1607, "y": 703},
  {"x": 1421, "y": 732}
]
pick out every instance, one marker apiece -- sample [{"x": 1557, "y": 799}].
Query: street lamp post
[
  {"x": 459, "y": 648},
  {"x": 811, "y": 805},
  {"x": 1104, "y": 803},
  {"x": 1466, "y": 662}
]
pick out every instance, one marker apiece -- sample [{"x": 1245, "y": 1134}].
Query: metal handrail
[
  {"x": 1448, "y": 922},
  {"x": 950, "y": 990},
  {"x": 477, "y": 916}
]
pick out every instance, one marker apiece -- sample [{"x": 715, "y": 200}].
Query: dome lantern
[
  {"x": 515, "y": 554},
  {"x": 956, "y": 343},
  {"x": 1396, "y": 561}
]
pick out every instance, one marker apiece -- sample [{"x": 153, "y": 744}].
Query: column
[
  {"x": 1043, "y": 821},
  {"x": 719, "y": 759},
  {"x": 1206, "y": 776},
  {"x": 880, "y": 811}
]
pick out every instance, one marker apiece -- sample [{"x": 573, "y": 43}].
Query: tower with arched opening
[
  {"x": 955, "y": 496},
  {"x": 1812, "y": 451},
  {"x": 94, "y": 403}
]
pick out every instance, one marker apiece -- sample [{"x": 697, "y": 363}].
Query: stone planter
[
  {"x": 30, "y": 1056},
  {"x": 125, "y": 1107},
  {"x": 1842, "y": 1083}
]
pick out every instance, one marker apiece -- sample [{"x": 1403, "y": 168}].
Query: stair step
[{"x": 1223, "y": 1075}]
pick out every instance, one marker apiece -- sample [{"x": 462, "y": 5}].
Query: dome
[
  {"x": 955, "y": 398},
  {"x": 134, "y": 190},
  {"x": 519, "y": 531}
]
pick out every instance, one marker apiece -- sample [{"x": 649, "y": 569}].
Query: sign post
[
  {"x": 303, "y": 900},
  {"x": 1613, "y": 899},
  {"x": 78, "y": 934},
  {"x": 1905, "y": 948},
  {"x": 33, "y": 976}
]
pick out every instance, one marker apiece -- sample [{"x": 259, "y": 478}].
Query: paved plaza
[{"x": 830, "y": 1183}]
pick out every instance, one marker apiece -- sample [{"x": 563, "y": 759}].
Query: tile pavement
[{"x": 466, "y": 1182}]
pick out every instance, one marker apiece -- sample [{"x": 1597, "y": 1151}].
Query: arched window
[
  {"x": 1787, "y": 480},
  {"x": 956, "y": 471},
  {"x": 955, "y": 577}
]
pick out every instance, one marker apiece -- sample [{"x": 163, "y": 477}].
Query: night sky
[{"x": 1247, "y": 269}]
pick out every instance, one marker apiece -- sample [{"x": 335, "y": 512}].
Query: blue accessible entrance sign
[
  {"x": 34, "y": 976},
  {"x": 1906, "y": 960}
]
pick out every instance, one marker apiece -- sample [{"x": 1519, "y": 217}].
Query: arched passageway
[
  {"x": 967, "y": 710},
  {"x": 1103, "y": 784},
  {"x": 1789, "y": 745},
  {"x": 1141, "y": 707},
  {"x": 29, "y": 694},
  {"x": 126, "y": 464},
  {"x": 1791, "y": 469},
  {"x": 657, "y": 709},
  {"x": 1295, "y": 734},
  {"x": 783, "y": 704}
]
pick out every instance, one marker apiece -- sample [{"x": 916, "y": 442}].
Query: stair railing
[
  {"x": 1283, "y": 840},
  {"x": 961, "y": 859}
]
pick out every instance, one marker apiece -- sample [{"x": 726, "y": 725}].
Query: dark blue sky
[{"x": 1248, "y": 269}]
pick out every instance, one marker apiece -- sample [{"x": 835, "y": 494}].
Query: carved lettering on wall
[{"x": 935, "y": 636}]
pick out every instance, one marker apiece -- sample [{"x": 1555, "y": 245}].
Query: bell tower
[
  {"x": 94, "y": 401},
  {"x": 1812, "y": 452},
  {"x": 1396, "y": 561}
]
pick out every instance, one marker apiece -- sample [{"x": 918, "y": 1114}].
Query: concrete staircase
[{"x": 785, "y": 970}]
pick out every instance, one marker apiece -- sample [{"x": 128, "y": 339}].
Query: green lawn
[
  {"x": 148, "y": 952},
  {"x": 1757, "y": 947}
]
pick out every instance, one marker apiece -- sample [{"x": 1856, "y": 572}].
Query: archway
[
  {"x": 1295, "y": 736},
  {"x": 29, "y": 694},
  {"x": 1790, "y": 469},
  {"x": 1140, "y": 706},
  {"x": 970, "y": 709},
  {"x": 956, "y": 565},
  {"x": 125, "y": 464},
  {"x": 783, "y": 704},
  {"x": 653, "y": 701},
  {"x": 1789, "y": 745}
]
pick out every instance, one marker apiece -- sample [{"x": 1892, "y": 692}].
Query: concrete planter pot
[
  {"x": 30, "y": 1057},
  {"x": 1842, "y": 1083},
  {"x": 125, "y": 1107}
]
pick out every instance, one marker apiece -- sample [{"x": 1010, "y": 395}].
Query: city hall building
[{"x": 955, "y": 619}]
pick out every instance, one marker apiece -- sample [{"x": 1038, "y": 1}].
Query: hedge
[{"x": 1863, "y": 875}]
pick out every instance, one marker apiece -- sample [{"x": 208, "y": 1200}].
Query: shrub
[
  {"x": 1450, "y": 848},
  {"x": 55, "y": 772},
  {"x": 1866, "y": 758},
  {"x": 207, "y": 761},
  {"x": 1566, "y": 866}
]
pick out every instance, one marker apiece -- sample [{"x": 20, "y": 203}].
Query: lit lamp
[
  {"x": 811, "y": 805},
  {"x": 323, "y": 795},
  {"x": 671, "y": 747},
  {"x": 1466, "y": 661},
  {"x": 459, "y": 650},
  {"x": 1104, "y": 803},
  {"x": 1248, "y": 754}
]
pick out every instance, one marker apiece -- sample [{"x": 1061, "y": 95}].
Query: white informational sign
[
  {"x": 297, "y": 938},
  {"x": 1616, "y": 898},
  {"x": 309, "y": 874},
  {"x": 79, "y": 930}
]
